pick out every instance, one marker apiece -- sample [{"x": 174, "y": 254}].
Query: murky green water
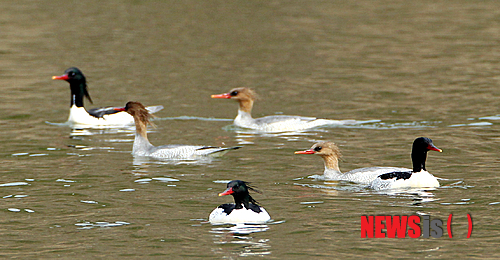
[{"x": 425, "y": 68}]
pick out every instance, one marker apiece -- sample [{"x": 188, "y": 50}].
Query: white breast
[
  {"x": 422, "y": 179},
  {"x": 239, "y": 216}
]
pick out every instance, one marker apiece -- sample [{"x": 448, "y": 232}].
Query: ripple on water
[
  {"x": 194, "y": 118},
  {"x": 145, "y": 161},
  {"x": 127, "y": 190},
  {"x": 473, "y": 124},
  {"x": 63, "y": 180},
  {"x": 241, "y": 236},
  {"x": 14, "y": 196},
  {"x": 331, "y": 186},
  {"x": 383, "y": 125},
  {"x": 20, "y": 183},
  {"x": 31, "y": 155},
  {"x": 89, "y": 201},
  {"x": 100, "y": 224},
  {"x": 164, "y": 179},
  {"x": 19, "y": 210},
  {"x": 160, "y": 179},
  {"x": 221, "y": 181},
  {"x": 497, "y": 117},
  {"x": 240, "y": 229},
  {"x": 246, "y": 136},
  {"x": 38, "y": 154},
  {"x": 19, "y": 154},
  {"x": 90, "y": 148}
]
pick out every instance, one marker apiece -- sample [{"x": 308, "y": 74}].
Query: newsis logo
[{"x": 413, "y": 226}]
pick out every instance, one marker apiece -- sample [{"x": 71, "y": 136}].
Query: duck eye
[
  {"x": 71, "y": 74},
  {"x": 233, "y": 93},
  {"x": 318, "y": 148}
]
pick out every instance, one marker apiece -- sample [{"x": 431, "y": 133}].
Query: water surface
[{"x": 426, "y": 68}]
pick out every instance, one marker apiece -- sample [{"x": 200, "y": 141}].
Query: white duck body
[
  {"x": 244, "y": 210},
  {"x": 142, "y": 146},
  {"x": 80, "y": 117},
  {"x": 380, "y": 178},
  {"x": 239, "y": 216},
  {"x": 282, "y": 123},
  {"x": 278, "y": 123},
  {"x": 96, "y": 117},
  {"x": 422, "y": 179},
  {"x": 362, "y": 176}
]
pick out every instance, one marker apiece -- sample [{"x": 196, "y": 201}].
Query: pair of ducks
[
  {"x": 107, "y": 116},
  {"x": 246, "y": 209}
]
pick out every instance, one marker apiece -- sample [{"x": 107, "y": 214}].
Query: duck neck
[
  {"x": 243, "y": 200},
  {"x": 246, "y": 105},
  {"x": 244, "y": 117},
  {"x": 331, "y": 163},
  {"x": 78, "y": 92},
  {"x": 418, "y": 158},
  {"x": 141, "y": 142}
]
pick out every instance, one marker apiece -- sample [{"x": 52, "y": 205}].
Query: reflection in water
[
  {"x": 417, "y": 197},
  {"x": 159, "y": 179},
  {"x": 91, "y": 127},
  {"x": 146, "y": 161},
  {"x": 247, "y": 136},
  {"x": 76, "y": 131},
  {"x": 497, "y": 117},
  {"x": 193, "y": 118},
  {"x": 333, "y": 188},
  {"x": 240, "y": 235},
  {"x": 387, "y": 125}
]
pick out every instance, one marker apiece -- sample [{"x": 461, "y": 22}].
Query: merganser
[
  {"x": 279, "y": 123},
  {"x": 380, "y": 178},
  {"x": 142, "y": 146},
  {"x": 104, "y": 116},
  {"x": 244, "y": 210}
]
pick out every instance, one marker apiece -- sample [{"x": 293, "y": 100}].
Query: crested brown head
[
  {"x": 329, "y": 151},
  {"x": 324, "y": 149},
  {"x": 139, "y": 112},
  {"x": 245, "y": 96},
  {"x": 243, "y": 93}
]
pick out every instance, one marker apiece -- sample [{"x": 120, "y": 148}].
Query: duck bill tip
[
  {"x": 305, "y": 152},
  {"x": 226, "y": 192},
  {"x": 225, "y": 95},
  {"x": 63, "y": 77},
  {"x": 434, "y": 148}
]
